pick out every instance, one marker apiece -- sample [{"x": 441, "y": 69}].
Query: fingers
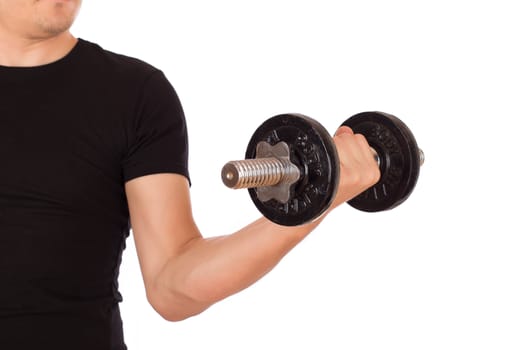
[
  {"x": 354, "y": 144},
  {"x": 359, "y": 169},
  {"x": 364, "y": 148}
]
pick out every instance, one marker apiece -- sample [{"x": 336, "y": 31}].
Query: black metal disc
[
  {"x": 313, "y": 151},
  {"x": 399, "y": 157}
]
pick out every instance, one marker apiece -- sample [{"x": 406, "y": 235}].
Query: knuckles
[{"x": 359, "y": 170}]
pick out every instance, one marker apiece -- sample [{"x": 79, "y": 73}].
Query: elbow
[
  {"x": 173, "y": 316},
  {"x": 192, "y": 295},
  {"x": 175, "y": 308},
  {"x": 170, "y": 314}
]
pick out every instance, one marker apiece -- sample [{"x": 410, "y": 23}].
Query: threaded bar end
[{"x": 260, "y": 172}]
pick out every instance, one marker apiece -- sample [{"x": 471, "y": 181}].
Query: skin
[
  {"x": 183, "y": 272},
  {"x": 36, "y": 32}
]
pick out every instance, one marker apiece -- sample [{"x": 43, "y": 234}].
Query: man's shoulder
[{"x": 112, "y": 62}]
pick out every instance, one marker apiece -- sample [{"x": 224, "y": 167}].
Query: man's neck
[{"x": 21, "y": 52}]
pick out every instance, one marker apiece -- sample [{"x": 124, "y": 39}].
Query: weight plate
[
  {"x": 313, "y": 151},
  {"x": 399, "y": 160}
]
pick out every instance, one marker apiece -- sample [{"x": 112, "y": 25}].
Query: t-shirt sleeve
[{"x": 157, "y": 134}]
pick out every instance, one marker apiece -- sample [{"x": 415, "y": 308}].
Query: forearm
[{"x": 209, "y": 270}]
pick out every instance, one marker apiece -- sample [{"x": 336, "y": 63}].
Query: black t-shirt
[{"x": 72, "y": 132}]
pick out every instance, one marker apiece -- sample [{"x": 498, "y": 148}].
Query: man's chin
[{"x": 56, "y": 16}]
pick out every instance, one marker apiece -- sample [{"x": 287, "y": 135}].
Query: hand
[{"x": 358, "y": 168}]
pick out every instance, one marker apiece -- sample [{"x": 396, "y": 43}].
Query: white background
[{"x": 443, "y": 271}]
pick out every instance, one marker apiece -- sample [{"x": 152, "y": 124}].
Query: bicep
[{"x": 161, "y": 220}]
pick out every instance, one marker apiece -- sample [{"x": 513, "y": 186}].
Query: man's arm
[{"x": 185, "y": 273}]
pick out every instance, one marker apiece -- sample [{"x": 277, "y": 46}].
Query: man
[{"x": 89, "y": 141}]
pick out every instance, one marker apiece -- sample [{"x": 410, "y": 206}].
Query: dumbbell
[{"x": 291, "y": 168}]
